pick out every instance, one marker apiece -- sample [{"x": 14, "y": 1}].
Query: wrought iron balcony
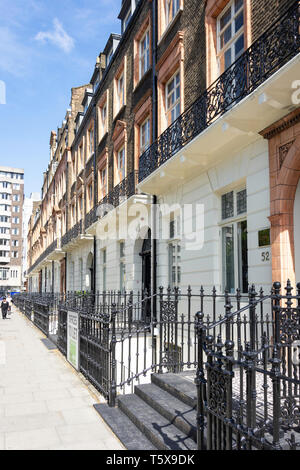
[
  {"x": 54, "y": 245},
  {"x": 72, "y": 233},
  {"x": 277, "y": 46},
  {"x": 123, "y": 191}
]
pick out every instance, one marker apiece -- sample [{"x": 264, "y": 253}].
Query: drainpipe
[
  {"x": 52, "y": 277},
  {"x": 95, "y": 191},
  {"x": 94, "y": 265},
  {"x": 154, "y": 137},
  {"x": 154, "y": 77},
  {"x": 153, "y": 258},
  {"x": 66, "y": 264}
]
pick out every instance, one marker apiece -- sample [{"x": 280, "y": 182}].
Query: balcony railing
[
  {"x": 72, "y": 233},
  {"x": 277, "y": 46},
  {"x": 124, "y": 190},
  {"x": 54, "y": 245}
]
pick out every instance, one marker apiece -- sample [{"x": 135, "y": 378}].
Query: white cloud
[{"x": 59, "y": 37}]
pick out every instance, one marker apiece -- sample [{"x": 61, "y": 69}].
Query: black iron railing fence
[
  {"x": 72, "y": 233},
  {"x": 243, "y": 349},
  {"x": 278, "y": 45},
  {"x": 55, "y": 244},
  {"x": 41, "y": 309},
  {"x": 249, "y": 388}
]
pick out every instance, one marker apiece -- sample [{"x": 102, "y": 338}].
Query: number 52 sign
[{"x": 265, "y": 256}]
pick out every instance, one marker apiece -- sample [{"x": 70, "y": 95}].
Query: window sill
[
  {"x": 102, "y": 138},
  {"x": 142, "y": 79},
  {"x": 119, "y": 112},
  {"x": 170, "y": 25}
]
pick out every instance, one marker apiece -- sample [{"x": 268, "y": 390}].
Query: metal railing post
[
  {"x": 113, "y": 386},
  {"x": 200, "y": 380}
]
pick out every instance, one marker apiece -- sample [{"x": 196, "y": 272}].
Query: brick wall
[
  {"x": 265, "y": 12},
  {"x": 132, "y": 95}
]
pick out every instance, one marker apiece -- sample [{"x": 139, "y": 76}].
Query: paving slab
[{"x": 44, "y": 403}]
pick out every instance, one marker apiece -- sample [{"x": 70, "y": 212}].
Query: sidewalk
[{"x": 44, "y": 403}]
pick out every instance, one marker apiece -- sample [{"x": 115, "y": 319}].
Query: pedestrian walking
[{"x": 5, "y": 307}]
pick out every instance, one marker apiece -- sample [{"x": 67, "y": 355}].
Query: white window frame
[
  {"x": 104, "y": 270},
  {"x": 120, "y": 92},
  {"x": 171, "y": 9},
  {"x": 123, "y": 172},
  {"x": 174, "y": 251},
  {"x": 126, "y": 19},
  {"x": 122, "y": 265},
  {"x": 91, "y": 141},
  {"x": 233, "y": 223},
  {"x": 221, "y": 51},
  {"x": 144, "y": 53},
  {"x": 103, "y": 181},
  {"x": 177, "y": 101},
  {"x": 103, "y": 118},
  {"x": 145, "y": 125}
]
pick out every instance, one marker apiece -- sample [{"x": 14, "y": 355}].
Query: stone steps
[
  {"x": 158, "y": 429},
  {"x": 175, "y": 411},
  {"x": 126, "y": 431},
  {"x": 159, "y": 415}
]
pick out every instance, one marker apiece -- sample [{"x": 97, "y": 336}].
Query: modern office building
[{"x": 11, "y": 220}]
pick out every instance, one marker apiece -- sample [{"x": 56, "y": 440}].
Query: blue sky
[{"x": 46, "y": 47}]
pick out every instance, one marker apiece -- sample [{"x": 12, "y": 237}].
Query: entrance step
[
  {"x": 174, "y": 410},
  {"x": 179, "y": 385},
  {"x": 158, "y": 415},
  {"x": 130, "y": 436},
  {"x": 159, "y": 430}
]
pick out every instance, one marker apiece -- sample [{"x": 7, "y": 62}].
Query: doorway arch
[
  {"x": 285, "y": 175},
  {"x": 146, "y": 263},
  {"x": 90, "y": 273},
  {"x": 145, "y": 254}
]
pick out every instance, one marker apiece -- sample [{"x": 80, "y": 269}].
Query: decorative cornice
[{"x": 285, "y": 123}]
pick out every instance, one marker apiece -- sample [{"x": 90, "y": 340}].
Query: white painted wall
[{"x": 248, "y": 167}]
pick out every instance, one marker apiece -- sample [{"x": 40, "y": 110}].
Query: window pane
[
  {"x": 227, "y": 205},
  {"x": 226, "y": 36},
  {"x": 225, "y": 18},
  {"x": 241, "y": 201},
  {"x": 239, "y": 46},
  {"x": 238, "y": 5},
  {"x": 243, "y": 256},
  {"x": 239, "y": 21},
  {"x": 228, "y": 60},
  {"x": 228, "y": 258}
]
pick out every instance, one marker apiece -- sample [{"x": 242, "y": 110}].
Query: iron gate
[{"x": 248, "y": 390}]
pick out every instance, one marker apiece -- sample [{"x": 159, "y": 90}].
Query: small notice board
[{"x": 73, "y": 339}]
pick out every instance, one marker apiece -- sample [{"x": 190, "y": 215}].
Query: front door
[{"x": 146, "y": 276}]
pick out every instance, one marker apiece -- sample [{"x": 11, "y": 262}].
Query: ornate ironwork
[
  {"x": 71, "y": 234},
  {"x": 279, "y": 44},
  {"x": 120, "y": 193},
  {"x": 248, "y": 386},
  {"x": 48, "y": 250}
]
